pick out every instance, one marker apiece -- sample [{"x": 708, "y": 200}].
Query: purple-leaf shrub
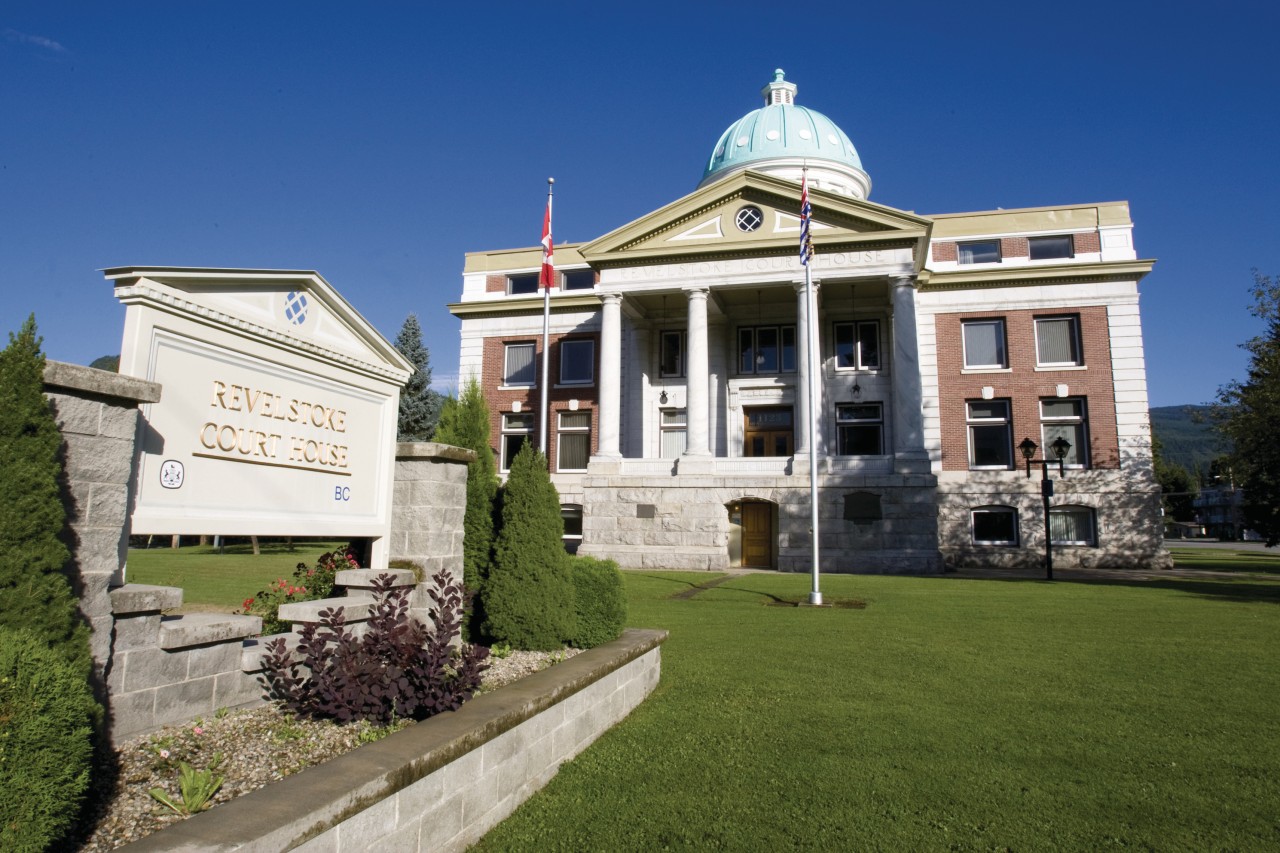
[{"x": 399, "y": 668}]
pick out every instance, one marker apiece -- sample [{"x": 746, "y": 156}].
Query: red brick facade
[
  {"x": 501, "y": 399},
  {"x": 1024, "y": 385},
  {"x": 495, "y": 284},
  {"x": 1017, "y": 247}
]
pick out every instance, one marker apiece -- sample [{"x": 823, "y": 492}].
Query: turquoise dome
[{"x": 781, "y": 131}]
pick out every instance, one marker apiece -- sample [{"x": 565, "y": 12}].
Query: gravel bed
[{"x": 251, "y": 748}]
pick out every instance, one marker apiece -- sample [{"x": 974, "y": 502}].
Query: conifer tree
[
  {"x": 419, "y": 405},
  {"x": 464, "y": 422},
  {"x": 34, "y": 592},
  {"x": 529, "y": 596}
]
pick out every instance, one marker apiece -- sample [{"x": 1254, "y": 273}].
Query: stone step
[
  {"x": 364, "y": 578},
  {"x": 201, "y": 629},
  {"x": 144, "y": 598},
  {"x": 356, "y": 605}
]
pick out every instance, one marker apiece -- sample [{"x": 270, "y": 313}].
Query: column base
[
  {"x": 604, "y": 464},
  {"x": 693, "y": 465}
]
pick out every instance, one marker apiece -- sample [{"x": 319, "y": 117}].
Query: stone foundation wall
[
  {"x": 1126, "y": 506},
  {"x": 664, "y": 522}
]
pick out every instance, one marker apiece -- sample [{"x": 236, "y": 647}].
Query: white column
[
  {"x": 908, "y": 398},
  {"x": 699, "y": 368},
  {"x": 610, "y": 374},
  {"x": 803, "y": 383}
]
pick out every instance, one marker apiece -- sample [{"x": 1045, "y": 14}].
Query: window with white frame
[
  {"x": 1058, "y": 341},
  {"x": 674, "y": 433},
  {"x": 860, "y": 429},
  {"x": 577, "y": 362},
  {"x": 571, "y": 515},
  {"x": 518, "y": 364},
  {"x": 767, "y": 349},
  {"x": 978, "y": 252},
  {"x": 1066, "y": 417},
  {"x": 671, "y": 353},
  {"x": 516, "y": 430},
  {"x": 1047, "y": 248},
  {"x": 990, "y": 434},
  {"x": 578, "y": 279},
  {"x": 573, "y": 441},
  {"x": 995, "y": 525},
  {"x": 1072, "y": 525},
  {"x": 522, "y": 283},
  {"x": 858, "y": 345},
  {"x": 984, "y": 344}
]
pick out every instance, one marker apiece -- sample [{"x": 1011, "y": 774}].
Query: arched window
[{"x": 995, "y": 525}]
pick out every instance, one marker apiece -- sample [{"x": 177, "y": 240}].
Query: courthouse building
[{"x": 678, "y": 429}]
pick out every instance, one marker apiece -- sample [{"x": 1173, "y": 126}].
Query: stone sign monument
[{"x": 279, "y": 409}]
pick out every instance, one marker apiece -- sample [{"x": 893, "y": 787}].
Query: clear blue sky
[{"x": 376, "y": 143}]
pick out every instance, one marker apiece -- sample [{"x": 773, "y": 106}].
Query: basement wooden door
[{"x": 757, "y": 535}]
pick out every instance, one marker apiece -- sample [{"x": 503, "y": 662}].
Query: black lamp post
[{"x": 1060, "y": 448}]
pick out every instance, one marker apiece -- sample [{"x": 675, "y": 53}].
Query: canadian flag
[{"x": 548, "y": 276}]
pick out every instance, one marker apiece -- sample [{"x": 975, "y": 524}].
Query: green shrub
[
  {"x": 34, "y": 593},
  {"x": 464, "y": 422},
  {"x": 599, "y": 601},
  {"x": 47, "y": 714},
  {"x": 528, "y": 597}
]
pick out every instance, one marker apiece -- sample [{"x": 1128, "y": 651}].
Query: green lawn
[
  {"x": 946, "y": 714},
  {"x": 225, "y": 580},
  {"x": 1227, "y": 560}
]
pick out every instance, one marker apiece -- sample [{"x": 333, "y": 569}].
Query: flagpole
[
  {"x": 545, "y": 279},
  {"x": 811, "y": 337}
]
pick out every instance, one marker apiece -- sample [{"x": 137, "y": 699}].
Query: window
[
  {"x": 995, "y": 525},
  {"x": 860, "y": 429},
  {"x": 1058, "y": 341},
  {"x": 1045, "y": 248},
  {"x": 518, "y": 365},
  {"x": 767, "y": 349},
  {"x": 1066, "y": 418},
  {"x": 571, "y": 514},
  {"x": 671, "y": 356},
  {"x": 1072, "y": 525},
  {"x": 573, "y": 441},
  {"x": 984, "y": 344},
  {"x": 748, "y": 218},
  {"x": 578, "y": 279},
  {"x": 577, "y": 362},
  {"x": 674, "y": 435},
  {"x": 990, "y": 434},
  {"x": 979, "y": 252},
  {"x": 522, "y": 283},
  {"x": 516, "y": 430},
  {"x": 858, "y": 345}
]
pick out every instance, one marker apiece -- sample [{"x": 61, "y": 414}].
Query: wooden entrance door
[
  {"x": 757, "y": 535},
  {"x": 767, "y": 431}
]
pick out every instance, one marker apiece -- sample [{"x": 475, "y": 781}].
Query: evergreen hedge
[
  {"x": 34, "y": 592},
  {"x": 464, "y": 422},
  {"x": 529, "y": 594},
  {"x": 47, "y": 718},
  {"x": 600, "y": 603}
]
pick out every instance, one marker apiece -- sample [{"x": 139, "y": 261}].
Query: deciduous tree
[{"x": 1248, "y": 412}]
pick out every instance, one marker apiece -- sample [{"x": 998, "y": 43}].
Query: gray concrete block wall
[
  {"x": 441, "y": 784},
  {"x": 429, "y": 500},
  {"x": 97, "y": 412}
]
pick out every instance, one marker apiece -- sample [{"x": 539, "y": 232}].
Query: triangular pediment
[
  {"x": 287, "y": 307},
  {"x": 755, "y": 214}
]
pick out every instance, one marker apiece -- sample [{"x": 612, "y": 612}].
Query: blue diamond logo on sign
[{"x": 295, "y": 308}]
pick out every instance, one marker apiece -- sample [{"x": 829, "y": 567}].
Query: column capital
[
  {"x": 904, "y": 281},
  {"x": 696, "y": 291},
  {"x": 800, "y": 285},
  {"x": 611, "y": 297}
]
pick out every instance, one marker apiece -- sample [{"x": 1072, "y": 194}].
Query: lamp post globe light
[{"x": 1060, "y": 447}]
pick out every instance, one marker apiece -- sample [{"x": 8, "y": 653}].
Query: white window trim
[
  {"x": 1093, "y": 526},
  {"x": 858, "y": 366},
  {"x": 1007, "y": 422},
  {"x": 581, "y": 383},
  {"x": 562, "y": 431},
  {"x": 879, "y": 421},
  {"x": 1004, "y": 345},
  {"x": 503, "y": 434},
  {"x": 1082, "y": 420},
  {"x": 993, "y": 508},
  {"x": 1059, "y": 365},
  {"x": 506, "y": 348}
]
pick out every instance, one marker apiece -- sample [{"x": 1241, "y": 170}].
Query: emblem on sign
[{"x": 171, "y": 474}]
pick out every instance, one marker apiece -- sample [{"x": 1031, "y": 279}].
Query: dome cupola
[{"x": 782, "y": 139}]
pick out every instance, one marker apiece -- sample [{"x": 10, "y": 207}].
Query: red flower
[{"x": 248, "y": 602}]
